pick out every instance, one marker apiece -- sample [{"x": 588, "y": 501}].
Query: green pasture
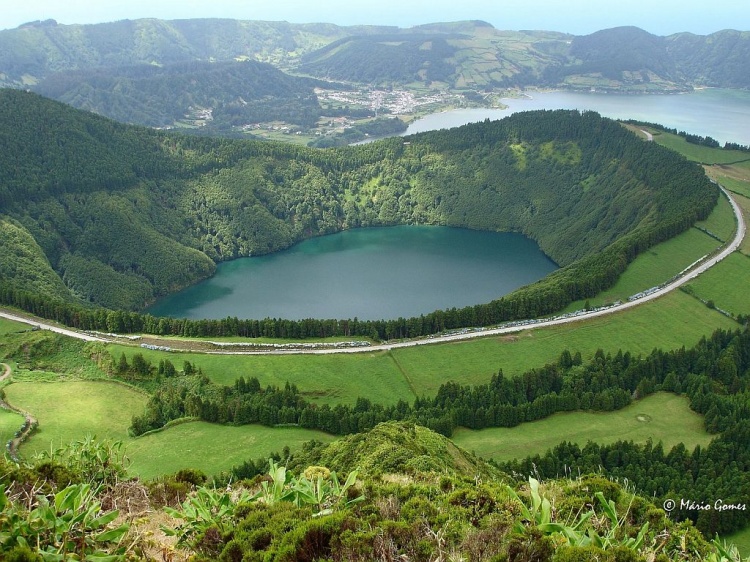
[
  {"x": 740, "y": 187},
  {"x": 744, "y": 203},
  {"x": 73, "y": 409},
  {"x": 10, "y": 422},
  {"x": 330, "y": 379},
  {"x": 726, "y": 285},
  {"x": 741, "y": 540},
  {"x": 720, "y": 222},
  {"x": 656, "y": 265},
  {"x": 68, "y": 411},
  {"x": 661, "y": 417},
  {"x": 211, "y": 448},
  {"x": 670, "y": 322},
  {"x": 697, "y": 153},
  {"x": 387, "y": 376},
  {"x": 10, "y": 326}
]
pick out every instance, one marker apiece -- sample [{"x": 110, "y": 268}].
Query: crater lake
[{"x": 370, "y": 273}]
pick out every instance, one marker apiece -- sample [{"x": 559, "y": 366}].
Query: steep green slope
[
  {"x": 124, "y": 214},
  {"x": 228, "y": 92},
  {"x": 22, "y": 260}
]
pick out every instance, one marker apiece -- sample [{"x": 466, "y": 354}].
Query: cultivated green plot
[
  {"x": 742, "y": 541},
  {"x": 653, "y": 267},
  {"x": 721, "y": 222},
  {"x": 10, "y": 422},
  {"x": 744, "y": 203},
  {"x": 660, "y": 417},
  {"x": 667, "y": 323},
  {"x": 328, "y": 379},
  {"x": 725, "y": 285},
  {"x": 68, "y": 411},
  {"x": 211, "y": 448},
  {"x": 402, "y": 374},
  {"x": 9, "y": 326},
  {"x": 698, "y": 153}
]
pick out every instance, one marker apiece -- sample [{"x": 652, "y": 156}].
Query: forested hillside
[
  {"x": 219, "y": 94},
  {"x": 460, "y": 55},
  {"x": 125, "y": 214}
]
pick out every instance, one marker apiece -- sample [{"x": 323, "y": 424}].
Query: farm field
[
  {"x": 721, "y": 286},
  {"x": 388, "y": 376},
  {"x": 698, "y": 153},
  {"x": 659, "y": 263},
  {"x": 10, "y": 422},
  {"x": 211, "y": 448},
  {"x": 70, "y": 410},
  {"x": 744, "y": 203},
  {"x": 66, "y": 410},
  {"x": 327, "y": 379},
  {"x": 8, "y": 326},
  {"x": 661, "y": 417}
]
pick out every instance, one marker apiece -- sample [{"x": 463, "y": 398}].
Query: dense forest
[
  {"x": 124, "y": 214},
  {"x": 157, "y": 96}
]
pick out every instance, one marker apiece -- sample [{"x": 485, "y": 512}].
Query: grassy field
[
  {"x": 327, "y": 379},
  {"x": 661, "y": 417},
  {"x": 697, "y": 153},
  {"x": 670, "y": 322},
  {"x": 720, "y": 285},
  {"x": 721, "y": 221},
  {"x": 10, "y": 422},
  {"x": 9, "y": 326},
  {"x": 210, "y": 447},
  {"x": 742, "y": 541},
  {"x": 658, "y": 264},
  {"x": 71, "y": 410},
  {"x": 744, "y": 203}
]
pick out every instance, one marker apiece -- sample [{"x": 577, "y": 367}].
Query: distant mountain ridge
[{"x": 457, "y": 54}]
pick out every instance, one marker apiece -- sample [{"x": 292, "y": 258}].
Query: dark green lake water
[{"x": 373, "y": 273}]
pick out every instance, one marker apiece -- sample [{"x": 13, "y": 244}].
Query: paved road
[{"x": 689, "y": 275}]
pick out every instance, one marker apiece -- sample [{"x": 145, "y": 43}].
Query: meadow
[
  {"x": 720, "y": 286},
  {"x": 388, "y": 376},
  {"x": 65, "y": 411},
  {"x": 10, "y": 326},
  {"x": 660, "y": 417}
]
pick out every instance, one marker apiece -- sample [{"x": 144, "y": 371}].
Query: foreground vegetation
[{"x": 379, "y": 511}]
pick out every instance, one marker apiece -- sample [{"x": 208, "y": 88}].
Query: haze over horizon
[{"x": 578, "y": 17}]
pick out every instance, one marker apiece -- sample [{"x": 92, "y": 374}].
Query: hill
[
  {"x": 124, "y": 214},
  {"x": 214, "y": 94},
  {"x": 314, "y": 513},
  {"x": 458, "y": 55},
  {"x": 395, "y": 447}
]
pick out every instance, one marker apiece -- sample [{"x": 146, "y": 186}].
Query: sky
[{"x": 580, "y": 17}]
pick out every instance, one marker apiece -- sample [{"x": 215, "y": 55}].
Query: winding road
[{"x": 686, "y": 276}]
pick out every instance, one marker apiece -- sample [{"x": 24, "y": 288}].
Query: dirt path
[{"x": 30, "y": 422}]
